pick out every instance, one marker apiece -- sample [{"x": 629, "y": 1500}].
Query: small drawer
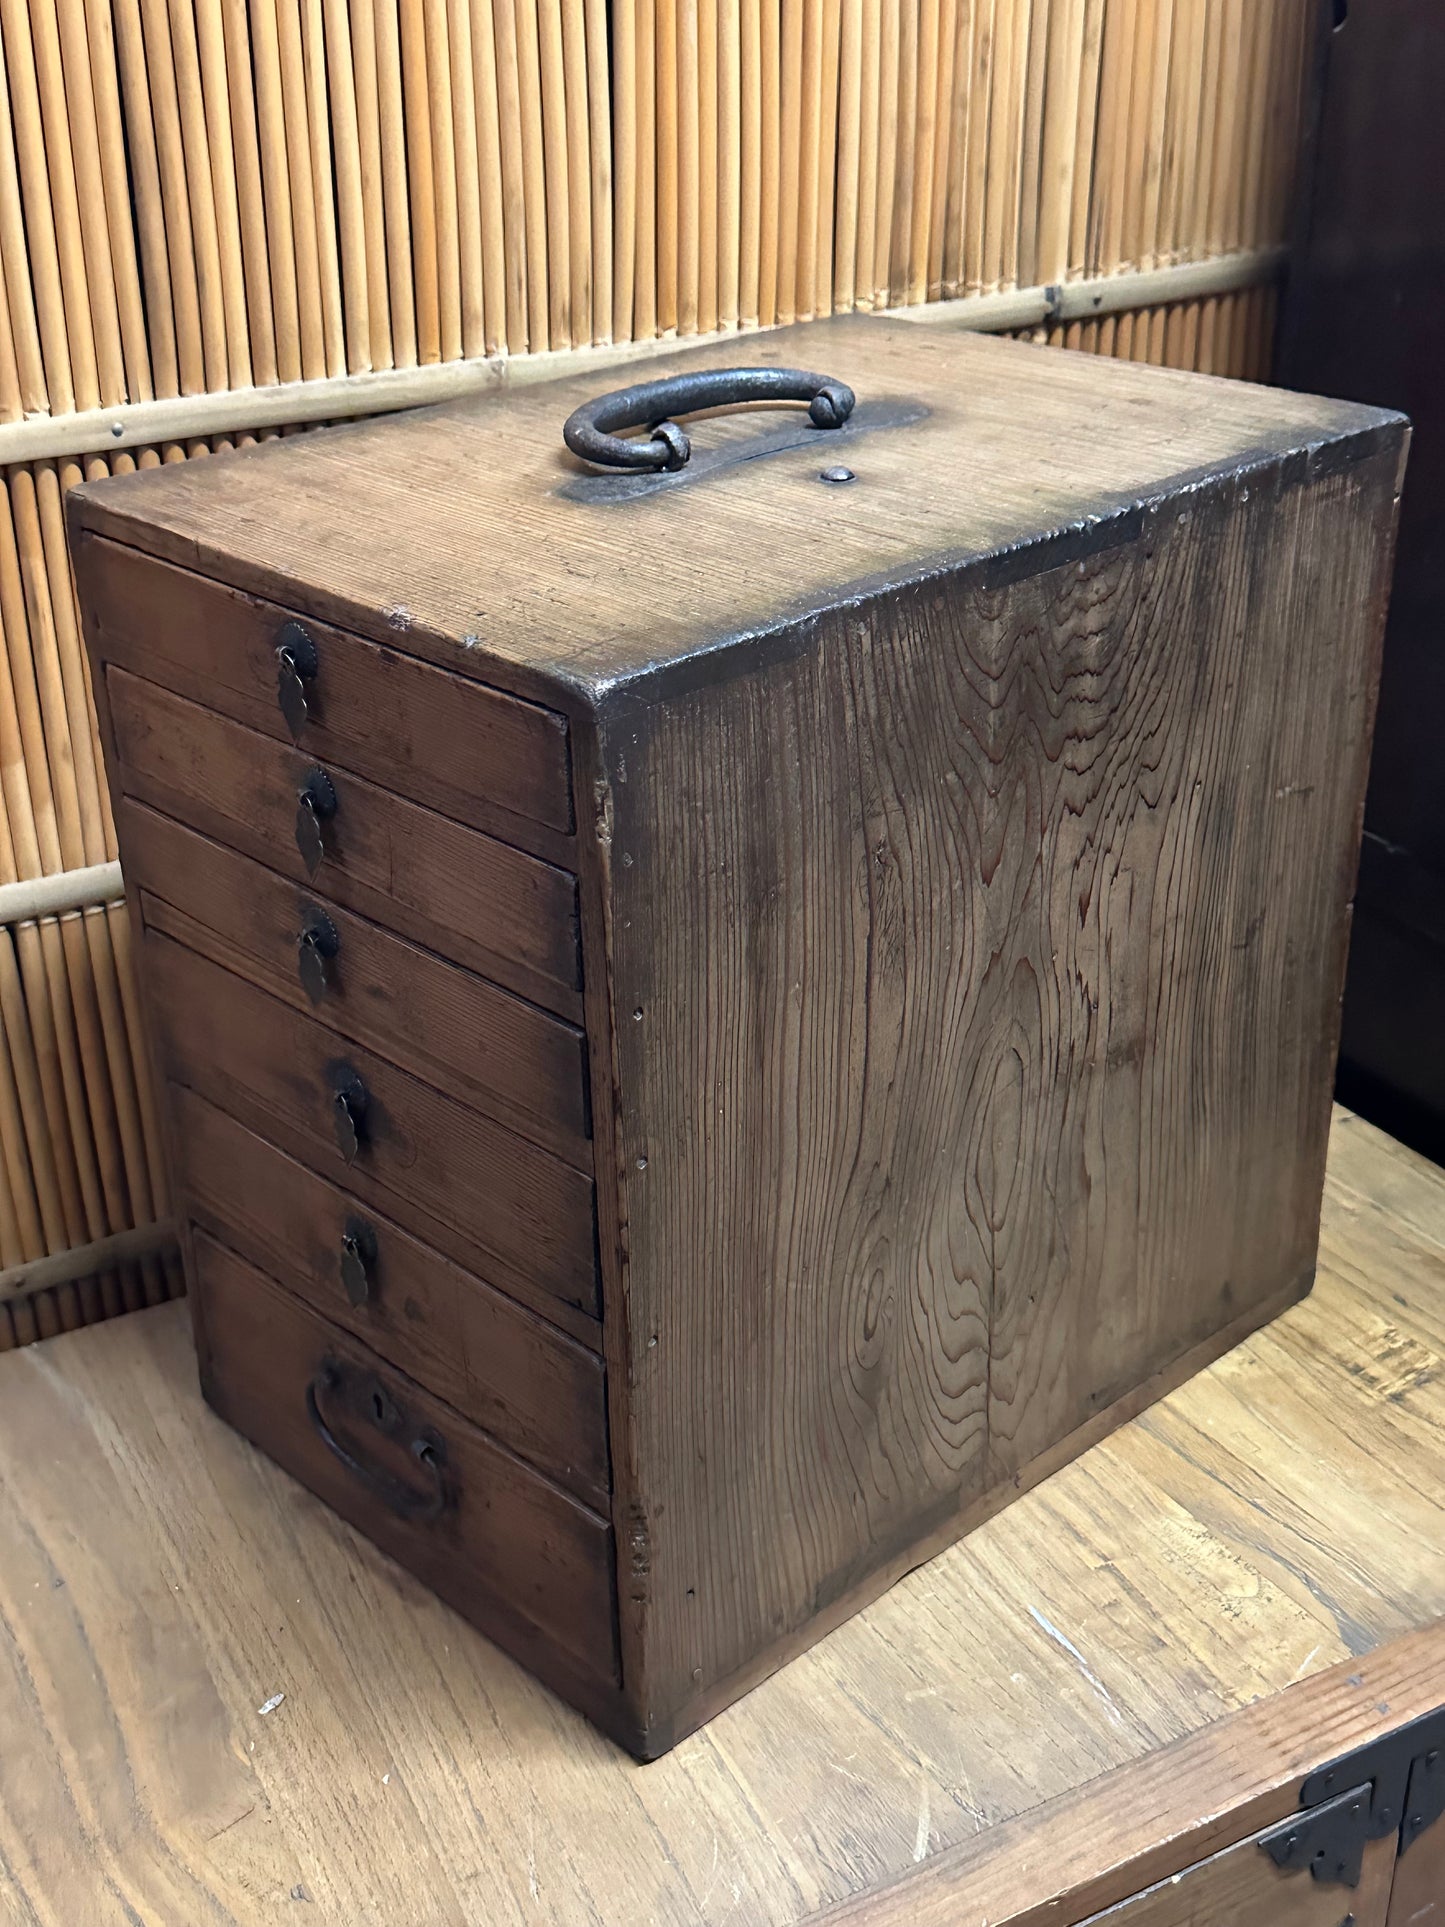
[
  {"x": 530, "y": 1564},
  {"x": 451, "y": 1027},
  {"x": 540, "y": 1393},
  {"x": 480, "y": 755},
  {"x": 502, "y": 1207},
  {"x": 480, "y": 902}
]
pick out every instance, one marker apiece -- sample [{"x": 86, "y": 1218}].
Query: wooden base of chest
[{"x": 667, "y": 1162}]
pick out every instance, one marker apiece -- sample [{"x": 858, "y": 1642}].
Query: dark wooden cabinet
[{"x": 722, "y": 1023}]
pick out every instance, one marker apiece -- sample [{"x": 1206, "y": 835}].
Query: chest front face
[{"x": 716, "y": 1029}]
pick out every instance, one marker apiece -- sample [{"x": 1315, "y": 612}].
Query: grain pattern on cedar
[
  {"x": 159, "y": 1581},
  {"x": 474, "y": 753},
  {"x": 527, "y": 1217},
  {"x": 449, "y": 1026},
  {"x": 541, "y": 1394},
  {"x": 1018, "y": 441},
  {"x": 478, "y": 901},
  {"x": 510, "y": 1550},
  {"x": 1242, "y": 1887},
  {"x": 988, "y": 992}
]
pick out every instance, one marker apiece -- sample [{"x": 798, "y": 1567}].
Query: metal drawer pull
[
  {"x": 315, "y": 805},
  {"x": 358, "y": 1261},
  {"x": 590, "y": 431},
  {"x": 296, "y": 665},
  {"x": 348, "y": 1114},
  {"x": 361, "y": 1397},
  {"x": 316, "y": 949}
]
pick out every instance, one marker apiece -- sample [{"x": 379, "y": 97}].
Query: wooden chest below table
[{"x": 721, "y": 1023}]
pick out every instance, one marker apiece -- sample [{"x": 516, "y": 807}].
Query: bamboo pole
[
  {"x": 275, "y": 175},
  {"x": 581, "y": 251},
  {"x": 36, "y": 238},
  {"x": 706, "y": 14},
  {"x": 689, "y": 162},
  {"x": 74, "y": 152},
  {"x": 437, "y": 119},
  {"x": 769, "y": 159},
  {"x": 729, "y": 248},
  {"x": 526, "y": 301},
  {"x": 626, "y": 140},
  {"x": 544, "y": 26},
  {"x": 790, "y": 156},
  {"x": 850, "y": 147},
  {"x": 600, "y": 152},
  {"x": 827, "y": 170},
  {"x": 354, "y": 269},
  {"x": 396, "y": 194},
  {"x": 421, "y": 185},
  {"x": 645, "y": 296}
]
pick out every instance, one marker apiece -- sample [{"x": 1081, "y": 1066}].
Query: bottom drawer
[{"x": 524, "y": 1560}]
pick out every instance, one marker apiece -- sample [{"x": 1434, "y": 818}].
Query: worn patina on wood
[{"x": 962, "y": 863}]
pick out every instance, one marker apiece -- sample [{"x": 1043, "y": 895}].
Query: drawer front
[
  {"x": 478, "y": 901},
  {"x": 448, "y": 1025},
  {"x": 524, "y": 1218},
  {"x": 525, "y": 1560},
  {"x": 538, "y": 1392},
  {"x": 480, "y": 755}
]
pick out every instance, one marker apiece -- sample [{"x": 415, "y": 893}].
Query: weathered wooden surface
[
  {"x": 160, "y": 1581},
  {"x": 457, "y": 541},
  {"x": 1167, "y": 1813},
  {"x": 975, "y": 974}
]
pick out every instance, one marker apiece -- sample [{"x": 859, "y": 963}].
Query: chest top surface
[{"x": 468, "y": 531}]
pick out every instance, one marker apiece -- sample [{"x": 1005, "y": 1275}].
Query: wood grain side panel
[
  {"x": 523, "y": 1559},
  {"x": 481, "y": 902},
  {"x": 511, "y": 1373},
  {"x": 474, "y": 752},
  {"x": 451, "y": 1027},
  {"x": 976, "y": 980},
  {"x": 1241, "y": 1887},
  {"x": 527, "y": 1217}
]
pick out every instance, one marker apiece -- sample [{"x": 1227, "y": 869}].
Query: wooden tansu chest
[{"x": 719, "y": 1022}]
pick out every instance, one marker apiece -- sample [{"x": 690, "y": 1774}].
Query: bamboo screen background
[{"x": 204, "y": 198}]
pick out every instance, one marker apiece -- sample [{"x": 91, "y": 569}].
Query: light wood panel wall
[{"x": 199, "y": 195}]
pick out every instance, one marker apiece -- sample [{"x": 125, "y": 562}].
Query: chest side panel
[{"x": 976, "y": 974}]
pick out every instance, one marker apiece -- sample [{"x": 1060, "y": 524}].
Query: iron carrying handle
[
  {"x": 590, "y": 430},
  {"x": 371, "y": 1399}
]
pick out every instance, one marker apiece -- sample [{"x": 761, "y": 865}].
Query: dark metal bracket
[{"x": 1393, "y": 1785}]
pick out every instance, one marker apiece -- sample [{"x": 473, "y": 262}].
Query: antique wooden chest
[{"x": 720, "y": 1021}]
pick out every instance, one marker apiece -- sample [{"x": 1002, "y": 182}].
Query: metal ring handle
[
  {"x": 404, "y": 1500},
  {"x": 590, "y": 430}
]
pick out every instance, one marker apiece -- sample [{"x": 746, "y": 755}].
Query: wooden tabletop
[{"x": 217, "y": 1704}]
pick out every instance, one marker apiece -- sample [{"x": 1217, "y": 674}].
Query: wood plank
[
  {"x": 974, "y": 1020},
  {"x": 1192, "y": 1811},
  {"x": 451, "y": 743},
  {"x": 1240, "y": 1888},
  {"x": 480, "y": 902},
  {"x": 414, "y": 1773},
  {"x": 449, "y": 1026},
  {"x": 541, "y": 1394},
  {"x": 526, "y": 1217},
  {"x": 505, "y": 575}
]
